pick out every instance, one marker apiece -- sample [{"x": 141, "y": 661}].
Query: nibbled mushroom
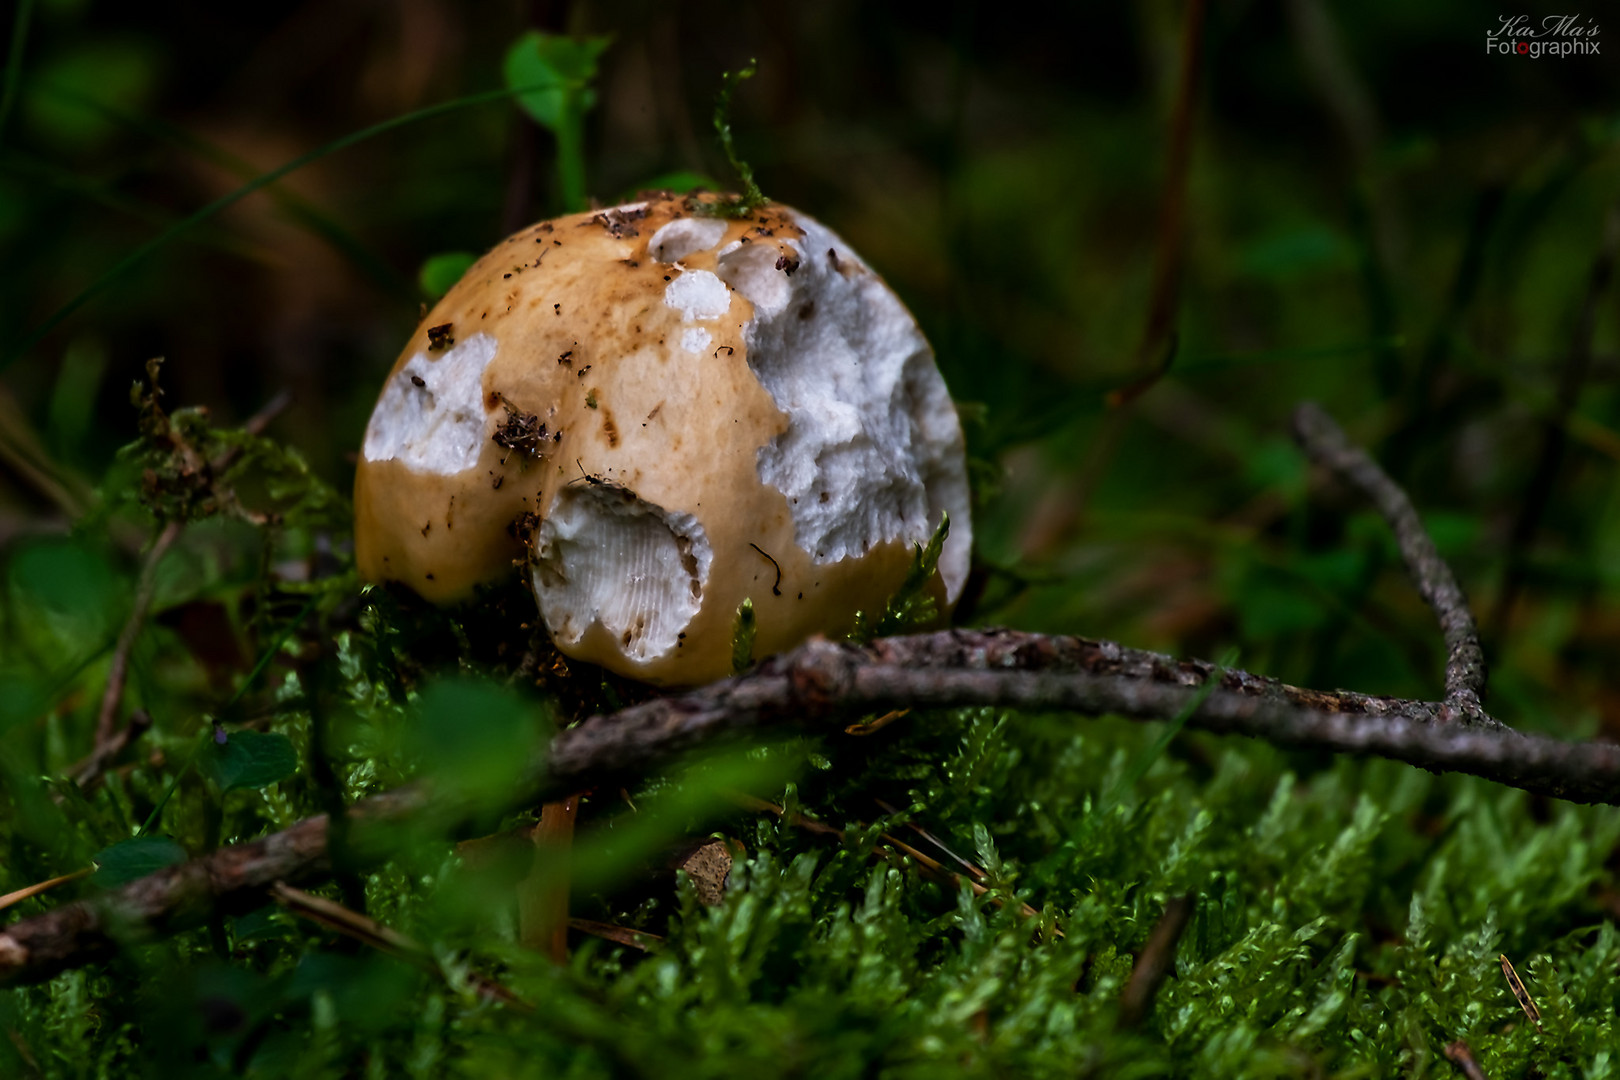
[{"x": 676, "y": 412}]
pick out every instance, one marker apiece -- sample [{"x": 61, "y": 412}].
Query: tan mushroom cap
[{"x": 731, "y": 409}]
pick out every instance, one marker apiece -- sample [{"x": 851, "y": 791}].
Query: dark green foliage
[
  {"x": 248, "y": 759},
  {"x": 130, "y": 859},
  {"x": 551, "y": 75}
]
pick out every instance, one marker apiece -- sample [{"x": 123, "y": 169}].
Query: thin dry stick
[
  {"x": 1154, "y": 962},
  {"x": 1327, "y": 445},
  {"x": 1157, "y": 349},
  {"x": 927, "y": 863},
  {"x": 89, "y": 772},
  {"x": 1171, "y": 250},
  {"x": 146, "y": 587},
  {"x": 1460, "y": 1055},
  {"x": 118, "y": 671},
  {"x": 369, "y": 931},
  {"x": 1555, "y": 429},
  {"x": 17, "y": 896},
  {"x": 619, "y": 935}
]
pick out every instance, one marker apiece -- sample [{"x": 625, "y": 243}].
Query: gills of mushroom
[{"x": 674, "y": 413}]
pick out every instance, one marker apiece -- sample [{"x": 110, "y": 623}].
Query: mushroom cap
[{"x": 674, "y": 412}]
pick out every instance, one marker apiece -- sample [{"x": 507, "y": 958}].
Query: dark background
[{"x": 1379, "y": 216}]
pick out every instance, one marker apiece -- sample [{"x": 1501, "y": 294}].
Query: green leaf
[
  {"x": 680, "y": 182},
  {"x": 130, "y": 859},
  {"x": 440, "y": 272},
  {"x": 476, "y": 737},
  {"x": 249, "y": 759},
  {"x": 552, "y": 60}
]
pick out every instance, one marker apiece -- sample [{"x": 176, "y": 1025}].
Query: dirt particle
[
  {"x": 418, "y": 382},
  {"x": 439, "y": 337}
]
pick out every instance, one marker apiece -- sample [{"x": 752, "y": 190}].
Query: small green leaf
[
  {"x": 440, "y": 272},
  {"x": 249, "y": 759},
  {"x": 130, "y": 859},
  {"x": 564, "y": 68},
  {"x": 742, "y": 637},
  {"x": 680, "y": 182},
  {"x": 476, "y": 737},
  {"x": 564, "y": 65}
]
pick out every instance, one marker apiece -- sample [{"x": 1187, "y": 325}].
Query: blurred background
[{"x": 1377, "y": 214}]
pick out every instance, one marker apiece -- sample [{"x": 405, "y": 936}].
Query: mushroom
[{"x": 673, "y": 412}]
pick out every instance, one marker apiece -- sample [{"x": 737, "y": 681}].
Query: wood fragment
[
  {"x": 17, "y": 896},
  {"x": 869, "y": 727},
  {"x": 1154, "y": 963},
  {"x": 1460, "y": 1055}
]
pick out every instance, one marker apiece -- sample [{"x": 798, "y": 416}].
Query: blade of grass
[
  {"x": 302, "y": 211},
  {"x": 1144, "y": 761},
  {"x": 19, "y": 38},
  {"x": 91, "y": 190},
  {"x": 179, "y": 228}
]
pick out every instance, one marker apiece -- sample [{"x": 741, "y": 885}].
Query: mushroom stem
[{"x": 543, "y": 895}]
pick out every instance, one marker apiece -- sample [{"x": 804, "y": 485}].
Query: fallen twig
[
  {"x": 118, "y": 671},
  {"x": 17, "y": 896},
  {"x": 1459, "y": 1054},
  {"x": 369, "y": 931},
  {"x": 89, "y": 772},
  {"x": 1154, "y": 962},
  {"x": 816, "y": 685},
  {"x": 1326, "y": 443}
]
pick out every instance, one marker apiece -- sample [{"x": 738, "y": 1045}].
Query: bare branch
[
  {"x": 1327, "y": 445},
  {"x": 118, "y": 671},
  {"x": 819, "y": 686},
  {"x": 89, "y": 772}
]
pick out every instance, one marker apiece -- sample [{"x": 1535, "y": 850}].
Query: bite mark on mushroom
[
  {"x": 437, "y": 426},
  {"x": 604, "y": 556}
]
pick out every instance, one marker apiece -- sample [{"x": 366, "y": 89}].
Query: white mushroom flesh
[
  {"x": 603, "y": 555},
  {"x": 438, "y": 426}
]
